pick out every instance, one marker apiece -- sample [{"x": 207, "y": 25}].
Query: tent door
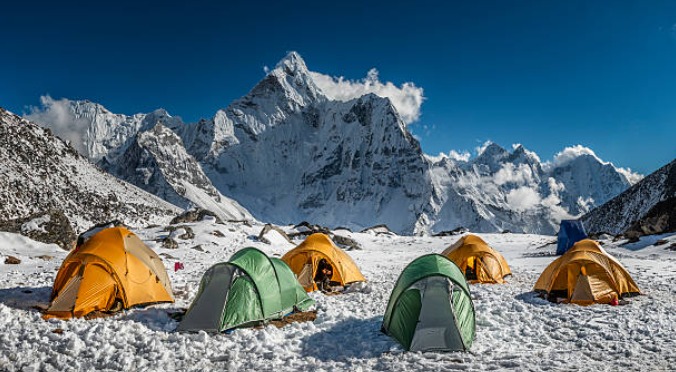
[
  {"x": 65, "y": 299},
  {"x": 206, "y": 312},
  {"x": 436, "y": 328},
  {"x": 471, "y": 268},
  {"x": 305, "y": 277},
  {"x": 582, "y": 293}
]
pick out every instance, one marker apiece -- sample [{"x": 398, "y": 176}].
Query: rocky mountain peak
[
  {"x": 292, "y": 64},
  {"x": 289, "y": 81}
]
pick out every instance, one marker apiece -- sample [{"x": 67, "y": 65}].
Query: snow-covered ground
[{"x": 515, "y": 329}]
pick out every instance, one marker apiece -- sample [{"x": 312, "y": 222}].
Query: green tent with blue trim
[
  {"x": 430, "y": 307},
  {"x": 251, "y": 288}
]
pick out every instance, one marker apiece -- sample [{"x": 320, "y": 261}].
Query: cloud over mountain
[{"x": 407, "y": 98}]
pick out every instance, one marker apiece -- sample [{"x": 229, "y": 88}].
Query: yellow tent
[
  {"x": 111, "y": 270},
  {"x": 477, "y": 260},
  {"x": 586, "y": 274},
  {"x": 304, "y": 259}
]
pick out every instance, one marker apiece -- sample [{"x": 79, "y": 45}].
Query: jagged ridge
[
  {"x": 288, "y": 153},
  {"x": 40, "y": 172}
]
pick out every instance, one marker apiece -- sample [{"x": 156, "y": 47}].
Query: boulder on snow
[
  {"x": 305, "y": 228},
  {"x": 51, "y": 227},
  {"x": 456, "y": 231},
  {"x": 601, "y": 236},
  {"x": 267, "y": 229},
  {"x": 632, "y": 236},
  {"x": 11, "y": 260},
  {"x": 182, "y": 232},
  {"x": 194, "y": 215},
  {"x": 378, "y": 230},
  {"x": 346, "y": 242},
  {"x": 217, "y": 233},
  {"x": 169, "y": 243}
]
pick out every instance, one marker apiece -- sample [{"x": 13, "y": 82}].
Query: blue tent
[{"x": 570, "y": 232}]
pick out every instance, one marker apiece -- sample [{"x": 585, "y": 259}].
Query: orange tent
[
  {"x": 304, "y": 259},
  {"x": 586, "y": 274},
  {"x": 477, "y": 260},
  {"x": 111, "y": 270}
]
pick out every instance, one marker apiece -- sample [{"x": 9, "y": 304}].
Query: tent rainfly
[
  {"x": 584, "y": 275},
  {"x": 477, "y": 260},
  {"x": 570, "y": 232},
  {"x": 251, "y": 288},
  {"x": 304, "y": 261},
  {"x": 112, "y": 270},
  {"x": 430, "y": 307}
]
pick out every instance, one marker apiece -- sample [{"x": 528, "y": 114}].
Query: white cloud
[
  {"x": 407, "y": 98},
  {"x": 57, "y": 116},
  {"x": 523, "y": 198},
  {"x": 632, "y": 177},
  {"x": 453, "y": 155},
  {"x": 553, "y": 201},
  {"x": 571, "y": 153},
  {"x": 520, "y": 175},
  {"x": 554, "y": 186},
  {"x": 459, "y": 156},
  {"x": 480, "y": 149},
  {"x": 585, "y": 204}
]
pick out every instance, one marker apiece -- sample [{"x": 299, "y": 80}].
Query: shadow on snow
[
  {"x": 26, "y": 298},
  {"x": 533, "y": 298},
  {"x": 349, "y": 339}
]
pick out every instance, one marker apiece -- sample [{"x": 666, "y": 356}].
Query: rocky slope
[
  {"x": 157, "y": 161},
  {"x": 648, "y": 207},
  {"x": 140, "y": 149},
  {"x": 40, "y": 173}
]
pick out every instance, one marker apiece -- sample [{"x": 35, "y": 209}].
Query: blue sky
[{"x": 542, "y": 73}]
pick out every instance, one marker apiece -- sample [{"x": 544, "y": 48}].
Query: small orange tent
[
  {"x": 304, "y": 259},
  {"x": 477, "y": 260},
  {"x": 586, "y": 274},
  {"x": 112, "y": 269}
]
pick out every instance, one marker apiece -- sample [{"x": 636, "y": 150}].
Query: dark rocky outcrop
[
  {"x": 51, "y": 227},
  {"x": 648, "y": 207},
  {"x": 267, "y": 228},
  {"x": 194, "y": 215}
]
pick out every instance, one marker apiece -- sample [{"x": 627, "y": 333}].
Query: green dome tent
[
  {"x": 249, "y": 289},
  {"x": 430, "y": 307}
]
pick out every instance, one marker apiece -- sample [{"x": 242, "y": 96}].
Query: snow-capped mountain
[
  {"x": 287, "y": 152},
  {"x": 502, "y": 190},
  {"x": 39, "y": 172},
  {"x": 157, "y": 162},
  {"x": 648, "y": 207},
  {"x": 140, "y": 149}
]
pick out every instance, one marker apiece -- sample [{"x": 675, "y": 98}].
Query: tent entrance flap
[
  {"x": 436, "y": 329},
  {"x": 306, "y": 275},
  {"x": 582, "y": 291},
  {"x": 65, "y": 300},
  {"x": 206, "y": 312}
]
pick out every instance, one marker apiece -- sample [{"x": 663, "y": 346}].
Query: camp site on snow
[{"x": 430, "y": 294}]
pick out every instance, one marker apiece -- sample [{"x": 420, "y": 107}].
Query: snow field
[{"x": 516, "y": 330}]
